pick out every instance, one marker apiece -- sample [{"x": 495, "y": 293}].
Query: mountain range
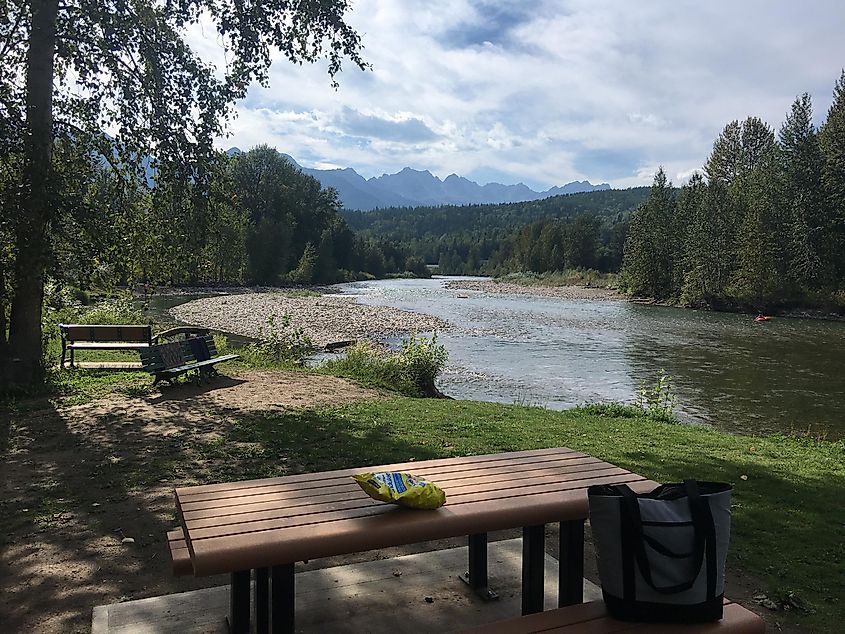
[{"x": 421, "y": 188}]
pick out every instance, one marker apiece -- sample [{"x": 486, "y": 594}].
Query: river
[{"x": 786, "y": 375}]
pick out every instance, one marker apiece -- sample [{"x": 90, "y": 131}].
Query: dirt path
[{"x": 80, "y": 482}]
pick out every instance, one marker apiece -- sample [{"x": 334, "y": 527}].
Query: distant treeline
[
  {"x": 584, "y": 230},
  {"x": 765, "y": 229}
]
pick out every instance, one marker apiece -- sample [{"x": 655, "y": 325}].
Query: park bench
[
  {"x": 268, "y": 525},
  {"x": 115, "y": 337},
  {"x": 593, "y": 617},
  {"x": 166, "y": 361},
  {"x": 103, "y": 337}
]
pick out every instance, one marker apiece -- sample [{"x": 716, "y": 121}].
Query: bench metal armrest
[{"x": 179, "y": 330}]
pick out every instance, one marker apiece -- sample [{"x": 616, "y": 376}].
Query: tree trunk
[
  {"x": 2, "y": 308},
  {"x": 23, "y": 362}
]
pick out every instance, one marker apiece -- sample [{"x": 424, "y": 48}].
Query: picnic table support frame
[
  {"x": 239, "y": 602},
  {"x": 262, "y": 595},
  {"x": 476, "y": 575},
  {"x": 571, "y": 566},
  {"x": 533, "y": 564},
  {"x": 282, "y": 599}
]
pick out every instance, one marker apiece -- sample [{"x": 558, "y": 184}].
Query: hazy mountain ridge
[{"x": 420, "y": 188}]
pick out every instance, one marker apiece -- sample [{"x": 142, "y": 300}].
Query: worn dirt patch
[{"x": 69, "y": 500}]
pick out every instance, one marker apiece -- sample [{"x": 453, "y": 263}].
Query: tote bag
[{"x": 661, "y": 555}]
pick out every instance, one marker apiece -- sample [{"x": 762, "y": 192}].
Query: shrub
[
  {"x": 657, "y": 401},
  {"x": 610, "y": 410},
  {"x": 422, "y": 360},
  {"x": 411, "y": 370},
  {"x": 283, "y": 344}
]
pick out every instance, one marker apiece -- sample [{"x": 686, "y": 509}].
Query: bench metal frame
[{"x": 275, "y": 587}]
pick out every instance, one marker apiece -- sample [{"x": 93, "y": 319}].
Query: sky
[{"x": 544, "y": 92}]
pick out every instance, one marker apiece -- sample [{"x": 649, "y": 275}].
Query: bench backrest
[
  {"x": 106, "y": 333},
  {"x": 170, "y": 355}
]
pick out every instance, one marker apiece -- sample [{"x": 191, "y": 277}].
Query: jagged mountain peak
[{"x": 411, "y": 187}]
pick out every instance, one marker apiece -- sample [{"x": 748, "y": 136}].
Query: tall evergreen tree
[
  {"x": 648, "y": 256},
  {"x": 832, "y": 142},
  {"x": 802, "y": 196}
]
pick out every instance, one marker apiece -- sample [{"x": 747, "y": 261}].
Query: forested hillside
[
  {"x": 584, "y": 230},
  {"x": 249, "y": 219},
  {"x": 765, "y": 229}
]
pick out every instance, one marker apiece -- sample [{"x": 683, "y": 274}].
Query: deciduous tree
[{"x": 124, "y": 67}]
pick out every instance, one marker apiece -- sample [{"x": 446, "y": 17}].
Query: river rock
[{"x": 324, "y": 319}]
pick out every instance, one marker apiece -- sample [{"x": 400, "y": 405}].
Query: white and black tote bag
[{"x": 661, "y": 555}]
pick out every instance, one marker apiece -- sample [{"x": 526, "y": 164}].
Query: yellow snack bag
[{"x": 401, "y": 488}]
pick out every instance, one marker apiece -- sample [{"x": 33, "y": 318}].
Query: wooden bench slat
[
  {"x": 446, "y": 477},
  {"x": 84, "y": 345},
  {"x": 387, "y": 526},
  {"x": 199, "y": 364},
  {"x": 365, "y": 506},
  {"x": 139, "y": 333},
  {"x": 460, "y": 462},
  {"x": 283, "y": 504},
  {"x": 180, "y": 556}
]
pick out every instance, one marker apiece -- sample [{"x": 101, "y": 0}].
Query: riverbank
[
  {"x": 91, "y": 500},
  {"x": 511, "y": 288},
  {"x": 324, "y": 319}
]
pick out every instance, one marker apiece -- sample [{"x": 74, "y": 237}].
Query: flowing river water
[{"x": 786, "y": 375}]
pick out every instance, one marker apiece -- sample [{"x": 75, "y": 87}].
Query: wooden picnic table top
[{"x": 258, "y": 523}]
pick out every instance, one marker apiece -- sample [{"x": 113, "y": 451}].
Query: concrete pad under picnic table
[{"x": 387, "y": 595}]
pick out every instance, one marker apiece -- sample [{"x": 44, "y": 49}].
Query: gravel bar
[
  {"x": 509, "y": 288},
  {"x": 324, "y": 319}
]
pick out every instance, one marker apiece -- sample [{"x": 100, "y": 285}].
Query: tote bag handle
[{"x": 633, "y": 543}]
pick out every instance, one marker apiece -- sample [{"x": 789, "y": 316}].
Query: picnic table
[{"x": 268, "y": 525}]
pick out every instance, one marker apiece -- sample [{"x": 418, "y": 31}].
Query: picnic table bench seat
[
  {"x": 180, "y": 558},
  {"x": 592, "y": 618},
  {"x": 168, "y": 360}
]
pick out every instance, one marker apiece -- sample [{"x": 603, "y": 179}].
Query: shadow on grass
[{"x": 81, "y": 479}]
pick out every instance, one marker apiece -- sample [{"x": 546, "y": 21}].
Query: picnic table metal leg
[
  {"x": 476, "y": 576},
  {"x": 239, "y": 602},
  {"x": 571, "y": 569},
  {"x": 262, "y": 599},
  {"x": 282, "y": 599},
  {"x": 533, "y": 564}
]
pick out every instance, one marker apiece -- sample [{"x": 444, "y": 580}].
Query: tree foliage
[
  {"x": 764, "y": 230},
  {"x": 73, "y": 70}
]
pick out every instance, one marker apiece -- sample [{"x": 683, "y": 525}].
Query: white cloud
[{"x": 576, "y": 89}]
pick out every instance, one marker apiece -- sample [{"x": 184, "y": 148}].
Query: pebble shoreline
[
  {"x": 325, "y": 319},
  {"x": 508, "y": 288}
]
